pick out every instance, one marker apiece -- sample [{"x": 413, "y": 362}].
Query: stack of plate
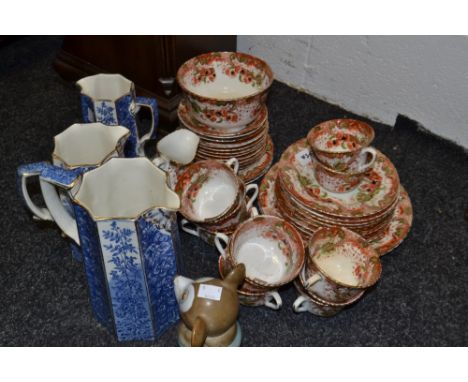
[
  {"x": 250, "y": 144},
  {"x": 379, "y": 209}
]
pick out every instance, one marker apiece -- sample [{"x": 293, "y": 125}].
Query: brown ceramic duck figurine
[{"x": 209, "y": 309}]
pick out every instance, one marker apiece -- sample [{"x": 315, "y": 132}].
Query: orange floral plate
[
  {"x": 376, "y": 192},
  {"x": 386, "y": 241},
  {"x": 256, "y": 170}
]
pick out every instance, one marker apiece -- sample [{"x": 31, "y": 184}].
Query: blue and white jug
[
  {"x": 125, "y": 223},
  {"x": 77, "y": 149},
  {"x": 111, "y": 99}
]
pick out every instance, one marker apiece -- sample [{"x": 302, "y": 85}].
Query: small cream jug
[{"x": 78, "y": 148}]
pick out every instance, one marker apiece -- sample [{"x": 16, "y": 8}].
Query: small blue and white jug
[
  {"x": 111, "y": 99},
  {"x": 78, "y": 148},
  {"x": 125, "y": 223}
]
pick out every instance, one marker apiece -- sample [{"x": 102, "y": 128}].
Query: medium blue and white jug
[
  {"x": 125, "y": 223},
  {"x": 77, "y": 149},
  {"x": 111, "y": 99}
]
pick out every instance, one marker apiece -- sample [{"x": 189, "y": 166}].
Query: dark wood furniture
[{"x": 151, "y": 62}]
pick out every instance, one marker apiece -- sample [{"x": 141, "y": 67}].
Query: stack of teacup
[
  {"x": 224, "y": 104},
  {"x": 333, "y": 178},
  {"x": 272, "y": 252},
  {"x": 343, "y": 153},
  {"x": 213, "y": 198},
  {"x": 340, "y": 267}
]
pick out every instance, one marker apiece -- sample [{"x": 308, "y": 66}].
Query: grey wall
[{"x": 423, "y": 77}]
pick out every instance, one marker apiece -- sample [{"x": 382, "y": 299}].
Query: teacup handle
[
  {"x": 152, "y": 104},
  {"x": 364, "y": 152},
  {"x": 253, "y": 212},
  {"x": 234, "y": 164},
  {"x": 184, "y": 223},
  {"x": 312, "y": 280},
  {"x": 299, "y": 305},
  {"x": 253, "y": 198},
  {"x": 273, "y": 300},
  {"x": 220, "y": 239}
]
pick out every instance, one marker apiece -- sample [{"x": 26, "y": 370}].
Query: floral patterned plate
[
  {"x": 385, "y": 242},
  {"x": 256, "y": 170},
  {"x": 376, "y": 192},
  {"x": 290, "y": 203}
]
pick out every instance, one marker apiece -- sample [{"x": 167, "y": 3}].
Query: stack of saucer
[
  {"x": 224, "y": 104},
  {"x": 377, "y": 207}
]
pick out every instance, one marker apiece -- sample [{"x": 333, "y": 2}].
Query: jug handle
[
  {"x": 152, "y": 104},
  {"x": 23, "y": 173},
  {"x": 51, "y": 176}
]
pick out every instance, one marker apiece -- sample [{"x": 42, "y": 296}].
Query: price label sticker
[
  {"x": 304, "y": 157},
  {"x": 211, "y": 292}
]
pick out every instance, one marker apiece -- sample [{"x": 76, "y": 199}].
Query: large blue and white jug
[
  {"x": 125, "y": 223},
  {"x": 77, "y": 149},
  {"x": 111, "y": 99}
]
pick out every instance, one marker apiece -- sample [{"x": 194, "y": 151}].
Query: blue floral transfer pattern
[
  {"x": 122, "y": 112},
  {"x": 97, "y": 286},
  {"x": 104, "y": 112},
  {"x": 126, "y": 280},
  {"x": 158, "y": 250},
  {"x": 87, "y": 109}
]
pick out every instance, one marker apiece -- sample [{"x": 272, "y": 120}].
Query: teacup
[
  {"x": 252, "y": 295},
  {"x": 343, "y": 143},
  {"x": 225, "y": 89},
  {"x": 305, "y": 303},
  {"x": 341, "y": 264},
  {"x": 336, "y": 181},
  {"x": 228, "y": 222},
  {"x": 209, "y": 190},
  {"x": 308, "y": 302},
  {"x": 270, "y": 248}
]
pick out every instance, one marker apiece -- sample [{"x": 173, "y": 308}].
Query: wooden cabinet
[{"x": 151, "y": 62}]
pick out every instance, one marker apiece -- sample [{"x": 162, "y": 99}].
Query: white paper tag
[
  {"x": 304, "y": 157},
  {"x": 211, "y": 292}
]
